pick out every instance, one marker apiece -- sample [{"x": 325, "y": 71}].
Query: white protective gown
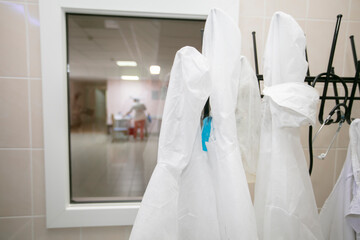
[
  {"x": 189, "y": 88},
  {"x": 248, "y": 119},
  {"x": 214, "y": 201},
  {"x": 221, "y": 46},
  {"x": 284, "y": 200},
  {"x": 193, "y": 194},
  {"x": 340, "y": 215}
]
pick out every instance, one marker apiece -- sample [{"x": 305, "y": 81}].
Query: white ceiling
[{"x": 95, "y": 48}]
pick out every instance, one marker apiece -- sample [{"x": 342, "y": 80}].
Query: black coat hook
[{"x": 356, "y": 80}]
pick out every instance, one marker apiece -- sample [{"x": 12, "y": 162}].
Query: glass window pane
[{"x": 119, "y": 73}]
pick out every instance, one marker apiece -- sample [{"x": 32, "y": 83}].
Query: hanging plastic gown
[
  {"x": 284, "y": 201},
  {"x": 195, "y": 194},
  {"x": 221, "y": 46},
  {"x": 189, "y": 88},
  {"x": 340, "y": 215},
  {"x": 214, "y": 200},
  {"x": 248, "y": 119}
]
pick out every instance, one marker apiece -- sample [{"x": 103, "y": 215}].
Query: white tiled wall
[
  {"x": 22, "y": 201},
  {"x": 22, "y": 187}
]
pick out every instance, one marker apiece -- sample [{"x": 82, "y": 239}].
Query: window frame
[{"x": 60, "y": 212}]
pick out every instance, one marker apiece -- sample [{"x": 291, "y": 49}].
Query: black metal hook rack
[{"x": 328, "y": 77}]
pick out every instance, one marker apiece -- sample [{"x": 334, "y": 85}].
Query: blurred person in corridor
[{"x": 139, "y": 117}]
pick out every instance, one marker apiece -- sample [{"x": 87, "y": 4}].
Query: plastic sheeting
[
  {"x": 340, "y": 215},
  {"x": 284, "y": 200}
]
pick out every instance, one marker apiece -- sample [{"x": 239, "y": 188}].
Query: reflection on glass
[{"x": 119, "y": 73}]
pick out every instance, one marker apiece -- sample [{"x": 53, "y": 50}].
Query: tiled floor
[{"x": 106, "y": 170}]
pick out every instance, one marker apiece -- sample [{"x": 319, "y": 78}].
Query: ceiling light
[
  {"x": 126, "y": 63},
  {"x": 155, "y": 69},
  {"x": 130, "y": 78},
  {"x": 111, "y": 24}
]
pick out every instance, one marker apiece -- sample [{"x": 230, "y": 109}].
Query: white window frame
[{"x": 59, "y": 211}]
